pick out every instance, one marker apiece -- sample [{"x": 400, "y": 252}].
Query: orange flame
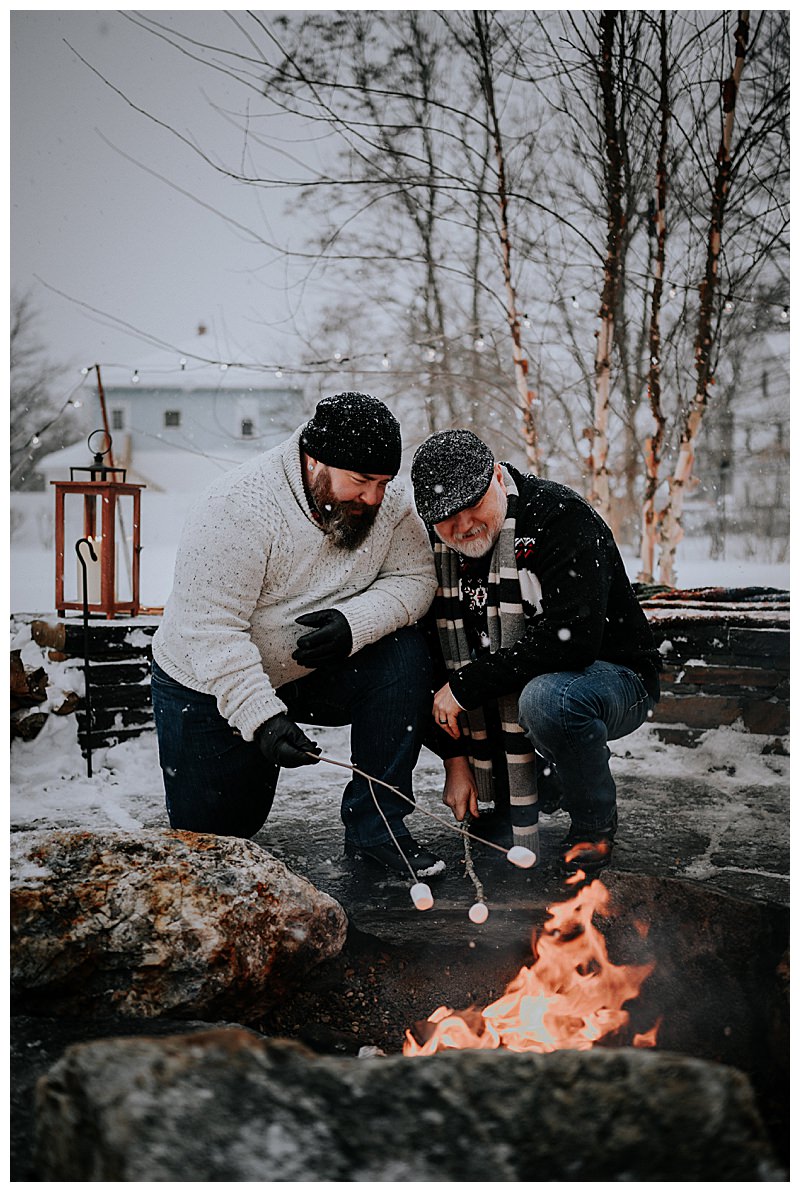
[{"x": 570, "y": 997}]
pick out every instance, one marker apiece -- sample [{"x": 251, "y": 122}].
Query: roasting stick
[
  {"x": 479, "y": 911},
  {"x": 421, "y": 895}
]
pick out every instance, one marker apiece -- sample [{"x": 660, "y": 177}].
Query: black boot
[
  {"x": 588, "y": 849},
  {"x": 423, "y": 862}
]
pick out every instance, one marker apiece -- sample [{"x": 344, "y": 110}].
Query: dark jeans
[
  {"x": 217, "y": 782},
  {"x": 570, "y": 716}
]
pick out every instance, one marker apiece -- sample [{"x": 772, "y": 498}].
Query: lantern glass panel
[
  {"x": 123, "y": 534},
  {"x": 80, "y": 512}
]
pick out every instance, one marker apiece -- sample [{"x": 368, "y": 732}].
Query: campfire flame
[{"x": 572, "y": 996}]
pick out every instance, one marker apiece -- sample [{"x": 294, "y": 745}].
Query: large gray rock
[
  {"x": 225, "y": 1105},
  {"x": 154, "y": 923}
]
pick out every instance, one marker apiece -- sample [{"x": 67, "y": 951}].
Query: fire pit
[
  {"x": 227, "y": 1103},
  {"x": 712, "y": 974}
]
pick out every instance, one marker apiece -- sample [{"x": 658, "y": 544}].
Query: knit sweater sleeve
[
  {"x": 219, "y": 575},
  {"x": 572, "y": 557},
  {"x": 401, "y": 592}
]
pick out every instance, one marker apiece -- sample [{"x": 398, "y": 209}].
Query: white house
[{"x": 175, "y": 439}]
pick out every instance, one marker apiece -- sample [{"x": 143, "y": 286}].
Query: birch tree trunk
[
  {"x": 525, "y": 395},
  {"x": 655, "y": 441},
  {"x": 599, "y": 491},
  {"x": 682, "y": 477}
]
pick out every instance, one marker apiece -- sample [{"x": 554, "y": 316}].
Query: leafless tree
[{"x": 484, "y": 192}]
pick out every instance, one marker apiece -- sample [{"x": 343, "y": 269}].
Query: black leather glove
[
  {"x": 331, "y": 639},
  {"x": 283, "y": 743}
]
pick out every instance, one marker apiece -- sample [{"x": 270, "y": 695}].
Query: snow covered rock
[
  {"x": 159, "y": 922},
  {"x": 226, "y": 1106}
]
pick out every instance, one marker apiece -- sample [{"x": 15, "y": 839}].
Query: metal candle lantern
[{"x": 105, "y": 510}]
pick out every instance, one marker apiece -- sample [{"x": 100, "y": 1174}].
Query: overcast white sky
[{"x": 88, "y": 222}]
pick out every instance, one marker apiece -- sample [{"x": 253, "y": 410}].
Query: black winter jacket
[{"x": 572, "y": 579}]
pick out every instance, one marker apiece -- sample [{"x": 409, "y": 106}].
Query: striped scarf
[{"x": 506, "y": 625}]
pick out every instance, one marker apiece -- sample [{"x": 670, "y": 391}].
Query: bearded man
[
  {"x": 546, "y": 650},
  {"x": 299, "y": 580}
]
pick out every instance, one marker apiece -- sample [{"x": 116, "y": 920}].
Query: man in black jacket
[{"x": 548, "y": 654}]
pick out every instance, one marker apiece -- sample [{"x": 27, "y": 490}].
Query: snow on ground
[
  {"x": 50, "y": 787},
  {"x": 163, "y": 514}
]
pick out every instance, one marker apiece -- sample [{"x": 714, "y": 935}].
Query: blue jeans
[
  {"x": 570, "y": 716},
  {"x": 217, "y": 782}
]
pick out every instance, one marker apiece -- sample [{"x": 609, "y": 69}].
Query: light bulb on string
[
  {"x": 278, "y": 372},
  {"x": 728, "y": 307},
  {"x": 575, "y": 301},
  {"x": 337, "y": 356},
  {"x": 785, "y": 315},
  {"x": 431, "y": 355},
  {"x": 526, "y": 321},
  {"x": 135, "y": 377},
  {"x": 182, "y": 363},
  {"x": 479, "y": 343},
  {"x": 84, "y": 372},
  {"x": 223, "y": 368},
  {"x": 385, "y": 361}
]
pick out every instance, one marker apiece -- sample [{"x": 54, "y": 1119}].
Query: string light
[{"x": 429, "y": 351}]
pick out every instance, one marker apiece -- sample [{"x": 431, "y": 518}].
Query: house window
[
  {"x": 248, "y": 428},
  {"x": 117, "y": 419},
  {"x": 172, "y": 418}
]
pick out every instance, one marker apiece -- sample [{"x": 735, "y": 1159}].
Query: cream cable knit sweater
[{"x": 251, "y": 559}]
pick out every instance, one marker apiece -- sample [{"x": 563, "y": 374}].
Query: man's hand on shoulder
[
  {"x": 284, "y": 744},
  {"x": 330, "y": 639}
]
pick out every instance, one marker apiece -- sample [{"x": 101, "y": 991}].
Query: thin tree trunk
[
  {"x": 526, "y": 396},
  {"x": 654, "y": 443},
  {"x": 599, "y": 492},
  {"x": 681, "y": 479}
]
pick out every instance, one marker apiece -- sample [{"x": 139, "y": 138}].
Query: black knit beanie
[
  {"x": 355, "y": 431},
  {"x": 450, "y": 471}
]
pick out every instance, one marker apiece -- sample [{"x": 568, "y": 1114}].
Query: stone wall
[{"x": 725, "y": 653}]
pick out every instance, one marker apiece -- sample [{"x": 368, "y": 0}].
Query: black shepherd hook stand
[{"x": 88, "y": 696}]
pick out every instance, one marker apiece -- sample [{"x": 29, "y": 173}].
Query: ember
[{"x": 572, "y": 996}]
